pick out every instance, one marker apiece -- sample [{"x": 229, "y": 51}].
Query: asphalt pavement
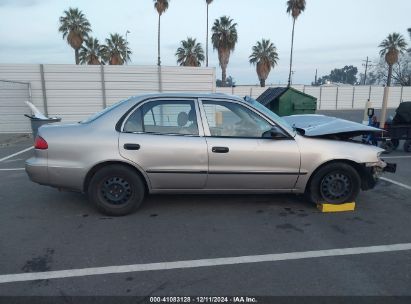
[{"x": 44, "y": 230}]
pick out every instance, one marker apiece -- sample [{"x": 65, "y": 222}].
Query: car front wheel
[
  {"x": 116, "y": 190},
  {"x": 335, "y": 183}
]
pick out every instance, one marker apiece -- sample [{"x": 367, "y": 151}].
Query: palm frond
[
  {"x": 116, "y": 50},
  {"x": 295, "y": 7},
  {"x": 74, "y": 21},
  {"x": 91, "y": 52},
  {"x": 225, "y": 34},
  {"x": 161, "y": 6},
  {"x": 264, "y": 51},
  {"x": 394, "y": 42},
  {"x": 190, "y": 53}
]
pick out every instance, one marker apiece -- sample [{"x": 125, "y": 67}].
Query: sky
[{"x": 329, "y": 34}]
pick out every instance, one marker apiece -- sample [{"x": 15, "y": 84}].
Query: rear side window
[
  {"x": 135, "y": 122},
  {"x": 164, "y": 117}
]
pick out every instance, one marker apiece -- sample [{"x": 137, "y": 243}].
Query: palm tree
[
  {"x": 75, "y": 27},
  {"x": 391, "y": 48},
  {"x": 294, "y": 8},
  {"x": 208, "y": 3},
  {"x": 161, "y": 6},
  {"x": 265, "y": 57},
  {"x": 224, "y": 39},
  {"x": 91, "y": 53},
  {"x": 116, "y": 50},
  {"x": 190, "y": 53}
]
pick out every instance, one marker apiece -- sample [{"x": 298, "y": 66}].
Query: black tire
[
  {"x": 407, "y": 146},
  {"x": 396, "y": 143},
  {"x": 335, "y": 183},
  {"x": 388, "y": 146},
  {"x": 116, "y": 190}
]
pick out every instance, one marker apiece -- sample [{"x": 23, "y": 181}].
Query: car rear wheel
[
  {"x": 116, "y": 190},
  {"x": 335, "y": 183}
]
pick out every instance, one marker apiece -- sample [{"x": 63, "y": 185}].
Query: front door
[
  {"x": 239, "y": 156},
  {"x": 163, "y": 138}
]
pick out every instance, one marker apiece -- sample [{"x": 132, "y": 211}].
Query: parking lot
[{"x": 201, "y": 245}]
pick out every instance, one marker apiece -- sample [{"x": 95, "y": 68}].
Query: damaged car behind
[{"x": 203, "y": 143}]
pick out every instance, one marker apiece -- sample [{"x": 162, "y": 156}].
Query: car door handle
[
  {"x": 132, "y": 146},
  {"x": 220, "y": 149}
]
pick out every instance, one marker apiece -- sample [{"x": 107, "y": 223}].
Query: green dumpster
[{"x": 288, "y": 101}]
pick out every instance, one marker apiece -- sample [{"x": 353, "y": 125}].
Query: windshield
[
  {"x": 274, "y": 117},
  {"x": 102, "y": 112}
]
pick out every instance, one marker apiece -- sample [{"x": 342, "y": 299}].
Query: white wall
[
  {"x": 74, "y": 92},
  {"x": 336, "y": 98}
]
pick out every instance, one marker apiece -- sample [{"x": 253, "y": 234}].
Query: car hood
[{"x": 321, "y": 125}]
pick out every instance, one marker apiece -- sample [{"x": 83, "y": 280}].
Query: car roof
[{"x": 185, "y": 95}]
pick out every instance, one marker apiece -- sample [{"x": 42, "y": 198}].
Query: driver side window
[{"x": 227, "y": 119}]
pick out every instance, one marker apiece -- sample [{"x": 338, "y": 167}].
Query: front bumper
[
  {"x": 390, "y": 167},
  {"x": 371, "y": 174}
]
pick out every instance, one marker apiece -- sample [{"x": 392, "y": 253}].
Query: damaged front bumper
[
  {"x": 373, "y": 171},
  {"x": 391, "y": 168}
]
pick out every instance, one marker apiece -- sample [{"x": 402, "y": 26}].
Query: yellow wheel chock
[{"x": 324, "y": 207}]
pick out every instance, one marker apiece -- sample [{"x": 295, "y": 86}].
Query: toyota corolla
[{"x": 203, "y": 143}]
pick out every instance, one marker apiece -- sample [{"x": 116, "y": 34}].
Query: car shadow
[
  {"x": 226, "y": 200},
  {"x": 77, "y": 203}
]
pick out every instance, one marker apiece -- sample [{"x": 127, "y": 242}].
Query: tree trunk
[
  {"x": 158, "y": 42},
  {"x": 207, "y": 40},
  {"x": 291, "y": 56},
  {"x": 389, "y": 75},
  {"x": 77, "y": 56},
  {"x": 224, "y": 75},
  {"x": 385, "y": 98},
  {"x": 262, "y": 83}
]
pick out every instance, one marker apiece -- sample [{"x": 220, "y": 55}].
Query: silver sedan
[{"x": 203, "y": 143}]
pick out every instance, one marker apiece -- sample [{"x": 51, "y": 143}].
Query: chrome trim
[
  {"x": 141, "y": 103},
  {"x": 177, "y": 171},
  {"x": 242, "y": 103},
  {"x": 226, "y": 172},
  {"x": 256, "y": 173}
]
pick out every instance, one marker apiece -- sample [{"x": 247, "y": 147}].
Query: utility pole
[
  {"x": 315, "y": 78},
  {"x": 207, "y": 36},
  {"x": 291, "y": 78},
  {"x": 128, "y": 32}
]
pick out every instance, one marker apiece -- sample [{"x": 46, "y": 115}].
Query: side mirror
[{"x": 275, "y": 133}]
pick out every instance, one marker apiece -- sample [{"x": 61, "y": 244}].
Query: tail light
[{"x": 40, "y": 143}]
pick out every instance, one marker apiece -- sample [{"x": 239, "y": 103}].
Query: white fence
[
  {"x": 75, "y": 92},
  {"x": 336, "y": 98},
  {"x": 12, "y": 97}
]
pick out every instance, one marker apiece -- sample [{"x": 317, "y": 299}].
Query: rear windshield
[{"x": 102, "y": 112}]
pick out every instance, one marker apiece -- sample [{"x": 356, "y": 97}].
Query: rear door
[
  {"x": 239, "y": 157},
  {"x": 162, "y": 136}
]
